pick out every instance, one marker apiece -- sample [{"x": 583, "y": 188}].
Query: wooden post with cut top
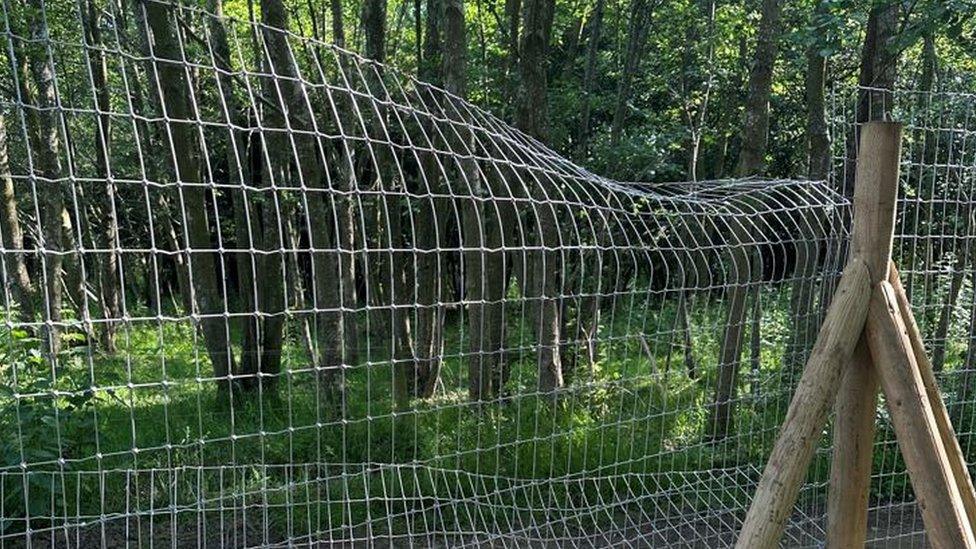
[{"x": 868, "y": 339}]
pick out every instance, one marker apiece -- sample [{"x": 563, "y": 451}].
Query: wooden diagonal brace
[
  {"x": 953, "y": 451},
  {"x": 804, "y": 423},
  {"x": 915, "y": 425}
]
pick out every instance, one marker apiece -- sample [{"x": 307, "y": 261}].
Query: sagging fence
[{"x": 259, "y": 290}]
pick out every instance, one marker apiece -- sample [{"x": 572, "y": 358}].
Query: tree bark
[
  {"x": 545, "y": 265},
  {"x": 754, "y": 130},
  {"x": 589, "y": 74},
  {"x": 513, "y": 14},
  {"x": 640, "y": 14},
  {"x": 448, "y": 48},
  {"x": 722, "y": 408},
  {"x": 174, "y": 87},
  {"x": 875, "y": 80},
  {"x": 818, "y": 140},
  {"x": 338, "y": 32},
  {"x": 108, "y": 239},
  {"x": 17, "y": 277},
  {"x": 346, "y": 210},
  {"x": 45, "y": 140},
  {"x": 247, "y": 222},
  {"x": 755, "y": 120},
  {"x": 803, "y": 318}
]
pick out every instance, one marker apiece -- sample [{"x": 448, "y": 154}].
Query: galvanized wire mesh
[{"x": 258, "y": 290}]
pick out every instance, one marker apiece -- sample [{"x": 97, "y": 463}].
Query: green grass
[{"x": 637, "y": 413}]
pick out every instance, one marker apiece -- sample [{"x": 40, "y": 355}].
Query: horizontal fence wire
[{"x": 259, "y": 290}]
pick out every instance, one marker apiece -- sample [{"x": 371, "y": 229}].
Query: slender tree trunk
[
  {"x": 955, "y": 288},
  {"x": 696, "y": 101},
  {"x": 640, "y": 15},
  {"x": 432, "y": 68},
  {"x": 818, "y": 166},
  {"x": 430, "y": 229},
  {"x": 164, "y": 233},
  {"x": 247, "y": 223},
  {"x": 298, "y": 289},
  {"x": 545, "y": 265},
  {"x": 755, "y": 124},
  {"x": 755, "y": 121},
  {"x": 589, "y": 74},
  {"x": 945, "y": 315},
  {"x": 878, "y": 70},
  {"x": 967, "y": 377},
  {"x": 346, "y": 204},
  {"x": 155, "y": 138},
  {"x": 17, "y": 277},
  {"x": 926, "y": 151},
  {"x": 301, "y": 163},
  {"x": 338, "y": 32},
  {"x": 513, "y": 14},
  {"x": 184, "y": 143},
  {"x": 109, "y": 238},
  {"x": 723, "y": 409},
  {"x": 47, "y": 185},
  {"x": 390, "y": 210},
  {"x": 818, "y": 141}
]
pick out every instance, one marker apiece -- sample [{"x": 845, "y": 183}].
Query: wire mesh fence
[{"x": 258, "y": 291}]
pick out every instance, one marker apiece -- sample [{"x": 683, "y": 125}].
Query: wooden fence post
[
  {"x": 890, "y": 350},
  {"x": 875, "y": 195}
]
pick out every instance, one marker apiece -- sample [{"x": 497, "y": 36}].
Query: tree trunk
[
  {"x": 818, "y": 141},
  {"x": 967, "y": 381},
  {"x": 589, "y": 74},
  {"x": 755, "y": 124},
  {"x": 640, "y": 15},
  {"x": 513, "y": 14},
  {"x": 301, "y": 164},
  {"x": 338, "y": 32},
  {"x": 45, "y": 141},
  {"x": 109, "y": 238},
  {"x": 431, "y": 69},
  {"x": 755, "y": 121},
  {"x": 955, "y": 287},
  {"x": 925, "y": 157},
  {"x": 802, "y": 314},
  {"x": 430, "y": 229},
  {"x": 695, "y": 102},
  {"x": 17, "y": 278},
  {"x": 723, "y": 409},
  {"x": 390, "y": 209},
  {"x": 298, "y": 289},
  {"x": 545, "y": 265},
  {"x": 174, "y": 87},
  {"x": 247, "y": 222},
  {"x": 876, "y": 78},
  {"x": 346, "y": 209}
]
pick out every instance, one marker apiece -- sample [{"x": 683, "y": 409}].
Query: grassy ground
[{"x": 142, "y": 430}]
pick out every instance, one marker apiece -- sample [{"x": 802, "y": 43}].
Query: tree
[
  {"x": 818, "y": 141},
  {"x": 346, "y": 207},
  {"x": 444, "y": 62},
  {"x": 108, "y": 263},
  {"x": 248, "y": 228},
  {"x": 818, "y": 159},
  {"x": 755, "y": 124},
  {"x": 755, "y": 120},
  {"x": 640, "y": 15},
  {"x": 46, "y": 179},
  {"x": 543, "y": 273},
  {"x": 184, "y": 148},
  {"x": 18, "y": 277},
  {"x": 592, "y": 50}
]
